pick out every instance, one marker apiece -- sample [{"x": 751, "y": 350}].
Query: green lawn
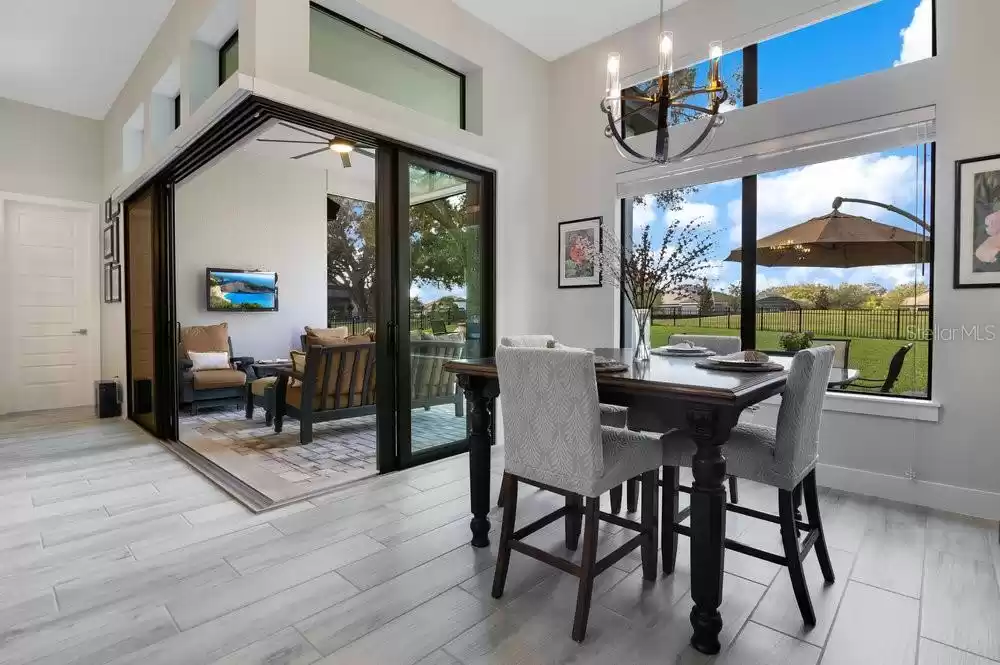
[{"x": 871, "y": 356}]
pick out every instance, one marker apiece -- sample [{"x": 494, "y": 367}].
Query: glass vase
[{"x": 640, "y": 335}]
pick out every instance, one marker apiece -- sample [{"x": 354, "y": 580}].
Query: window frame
[
  {"x": 315, "y": 6},
  {"x": 177, "y": 111},
  {"x": 223, "y": 50}
]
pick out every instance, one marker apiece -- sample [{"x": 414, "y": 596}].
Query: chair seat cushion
[
  {"x": 209, "y": 379},
  {"x": 293, "y": 396},
  {"x": 614, "y": 416},
  {"x": 260, "y": 386},
  {"x": 627, "y": 454},
  {"x": 749, "y": 454}
]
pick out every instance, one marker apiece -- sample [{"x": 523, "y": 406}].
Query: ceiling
[
  {"x": 74, "y": 55},
  {"x": 554, "y": 28}
]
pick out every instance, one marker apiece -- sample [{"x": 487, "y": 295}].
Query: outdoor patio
[{"x": 283, "y": 470}]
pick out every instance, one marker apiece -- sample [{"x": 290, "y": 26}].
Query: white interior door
[{"x": 54, "y": 305}]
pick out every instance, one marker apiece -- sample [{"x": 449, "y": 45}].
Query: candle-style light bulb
[
  {"x": 714, "y": 57},
  {"x": 614, "y": 86},
  {"x": 666, "y": 52}
]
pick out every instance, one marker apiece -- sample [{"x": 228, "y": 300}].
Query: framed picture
[
  {"x": 112, "y": 282},
  {"x": 579, "y": 239},
  {"x": 977, "y": 222},
  {"x": 109, "y": 242}
]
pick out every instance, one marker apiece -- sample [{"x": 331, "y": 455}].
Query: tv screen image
[{"x": 242, "y": 290}]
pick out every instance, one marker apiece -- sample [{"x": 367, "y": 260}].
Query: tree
[
  {"x": 735, "y": 291},
  {"x": 706, "y": 301},
  {"x": 350, "y": 247},
  {"x": 895, "y": 297},
  {"x": 850, "y": 296},
  {"x": 823, "y": 299}
]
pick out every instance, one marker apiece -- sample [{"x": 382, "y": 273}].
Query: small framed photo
[
  {"x": 112, "y": 282},
  {"x": 579, "y": 241},
  {"x": 977, "y": 222},
  {"x": 109, "y": 242}
]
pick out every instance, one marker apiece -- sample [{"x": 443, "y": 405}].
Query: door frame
[
  {"x": 95, "y": 311},
  {"x": 246, "y": 117}
]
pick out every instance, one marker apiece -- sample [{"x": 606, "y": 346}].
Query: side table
[{"x": 260, "y": 392}]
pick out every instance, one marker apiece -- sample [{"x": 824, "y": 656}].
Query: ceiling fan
[{"x": 339, "y": 145}]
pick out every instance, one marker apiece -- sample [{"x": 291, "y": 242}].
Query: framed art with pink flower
[
  {"x": 977, "y": 220},
  {"x": 579, "y": 244}
]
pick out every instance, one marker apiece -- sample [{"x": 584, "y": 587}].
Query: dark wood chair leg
[
  {"x": 248, "y": 400},
  {"x": 574, "y": 520},
  {"x": 671, "y": 507},
  {"x": 503, "y": 486},
  {"x": 790, "y": 541},
  {"x": 509, "y": 490},
  {"x": 588, "y": 569},
  {"x": 734, "y": 495},
  {"x": 268, "y": 418},
  {"x": 632, "y": 494},
  {"x": 306, "y": 430},
  {"x": 650, "y": 525},
  {"x": 797, "y": 503},
  {"x": 616, "y": 500},
  {"x": 815, "y": 521}
]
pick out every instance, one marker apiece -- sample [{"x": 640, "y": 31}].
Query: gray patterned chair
[
  {"x": 784, "y": 457},
  {"x": 611, "y": 415},
  {"x": 554, "y": 440}
]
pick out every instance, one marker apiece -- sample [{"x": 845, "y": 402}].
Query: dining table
[{"x": 662, "y": 394}]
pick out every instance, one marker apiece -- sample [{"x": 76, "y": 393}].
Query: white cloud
[
  {"x": 901, "y": 274},
  {"x": 705, "y": 213},
  {"x": 917, "y": 36},
  {"x": 643, "y": 216}
]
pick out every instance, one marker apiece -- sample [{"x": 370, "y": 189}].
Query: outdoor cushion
[
  {"x": 260, "y": 386},
  {"x": 210, "y": 360},
  {"x": 325, "y": 336},
  {"x": 218, "y": 378},
  {"x": 293, "y": 396},
  {"x": 359, "y": 356},
  {"x": 205, "y": 339}
]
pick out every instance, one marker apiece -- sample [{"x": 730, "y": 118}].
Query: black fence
[
  {"x": 902, "y": 324},
  {"x": 418, "y": 321}
]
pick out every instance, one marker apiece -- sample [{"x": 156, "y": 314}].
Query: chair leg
[
  {"x": 248, "y": 400},
  {"x": 671, "y": 507},
  {"x": 650, "y": 524},
  {"x": 734, "y": 495},
  {"x": 509, "y": 490},
  {"x": 790, "y": 540},
  {"x": 797, "y": 503},
  {"x": 815, "y": 521},
  {"x": 632, "y": 494},
  {"x": 616, "y": 500},
  {"x": 574, "y": 521},
  {"x": 305, "y": 431},
  {"x": 588, "y": 569},
  {"x": 503, "y": 489},
  {"x": 268, "y": 418}
]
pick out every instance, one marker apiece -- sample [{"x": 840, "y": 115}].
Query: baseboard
[{"x": 949, "y": 498}]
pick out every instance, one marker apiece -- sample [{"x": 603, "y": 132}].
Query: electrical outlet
[{"x": 910, "y": 474}]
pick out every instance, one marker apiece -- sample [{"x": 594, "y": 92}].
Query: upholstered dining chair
[
  {"x": 611, "y": 415},
  {"x": 721, "y": 344},
  {"x": 554, "y": 440},
  {"x": 783, "y": 457}
]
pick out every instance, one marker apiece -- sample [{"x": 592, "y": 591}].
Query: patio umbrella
[{"x": 838, "y": 240}]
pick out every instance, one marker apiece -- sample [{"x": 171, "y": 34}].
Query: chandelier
[{"x": 660, "y": 101}]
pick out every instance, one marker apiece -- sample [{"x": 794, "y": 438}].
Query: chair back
[
  {"x": 841, "y": 350},
  {"x": 204, "y": 339},
  {"x": 797, "y": 435},
  {"x": 339, "y": 377},
  {"x": 527, "y": 341},
  {"x": 551, "y": 418},
  {"x": 428, "y": 378},
  {"x": 895, "y": 367},
  {"x": 721, "y": 344}
]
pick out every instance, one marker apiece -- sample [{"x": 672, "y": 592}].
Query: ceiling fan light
[{"x": 341, "y": 146}]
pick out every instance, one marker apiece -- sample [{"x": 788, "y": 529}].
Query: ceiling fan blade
[
  {"x": 366, "y": 153},
  {"x": 304, "y": 131},
  {"x": 292, "y": 141},
  {"x": 345, "y": 159},
  {"x": 314, "y": 152}
]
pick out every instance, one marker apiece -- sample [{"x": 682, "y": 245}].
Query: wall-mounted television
[{"x": 241, "y": 290}]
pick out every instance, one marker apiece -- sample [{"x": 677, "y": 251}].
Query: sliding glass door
[{"x": 443, "y": 300}]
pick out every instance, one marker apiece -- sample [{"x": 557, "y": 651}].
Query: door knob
[{"x": 81, "y": 331}]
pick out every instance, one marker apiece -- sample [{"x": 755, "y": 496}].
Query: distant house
[
  {"x": 685, "y": 302},
  {"x": 446, "y": 301},
  {"x": 921, "y": 302},
  {"x": 781, "y": 304}
]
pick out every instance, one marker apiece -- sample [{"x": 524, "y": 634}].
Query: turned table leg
[{"x": 479, "y": 393}]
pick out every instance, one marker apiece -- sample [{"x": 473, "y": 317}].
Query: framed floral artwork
[
  {"x": 977, "y": 222},
  {"x": 579, "y": 243}
]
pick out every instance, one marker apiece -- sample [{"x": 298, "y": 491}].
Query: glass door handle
[{"x": 81, "y": 331}]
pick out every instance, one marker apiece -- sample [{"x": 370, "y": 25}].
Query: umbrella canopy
[{"x": 838, "y": 240}]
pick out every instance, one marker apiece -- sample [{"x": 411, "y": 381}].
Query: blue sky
[{"x": 870, "y": 39}]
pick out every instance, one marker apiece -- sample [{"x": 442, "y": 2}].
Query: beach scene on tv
[{"x": 242, "y": 291}]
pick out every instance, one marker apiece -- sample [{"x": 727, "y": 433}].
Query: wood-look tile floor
[{"x": 114, "y": 551}]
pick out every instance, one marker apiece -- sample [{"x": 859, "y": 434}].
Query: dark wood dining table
[{"x": 663, "y": 394}]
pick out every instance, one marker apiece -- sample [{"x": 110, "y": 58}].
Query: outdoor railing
[{"x": 902, "y": 324}]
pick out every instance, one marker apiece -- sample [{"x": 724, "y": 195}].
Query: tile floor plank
[
  {"x": 286, "y": 647},
  {"x": 875, "y": 627},
  {"x": 961, "y": 603}
]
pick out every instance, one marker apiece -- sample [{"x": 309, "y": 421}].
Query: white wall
[
  {"x": 956, "y": 460},
  {"x": 50, "y": 153},
  {"x": 255, "y": 213}
]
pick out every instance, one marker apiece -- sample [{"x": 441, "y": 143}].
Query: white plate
[
  {"x": 684, "y": 349},
  {"x": 718, "y": 360}
]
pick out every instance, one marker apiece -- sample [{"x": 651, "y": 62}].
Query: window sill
[{"x": 901, "y": 408}]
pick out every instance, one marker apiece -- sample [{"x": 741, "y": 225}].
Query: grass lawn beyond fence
[{"x": 871, "y": 356}]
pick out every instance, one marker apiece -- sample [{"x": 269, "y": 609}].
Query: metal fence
[
  {"x": 358, "y": 325},
  {"x": 902, "y": 324}
]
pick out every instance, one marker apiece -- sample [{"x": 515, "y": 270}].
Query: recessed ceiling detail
[{"x": 554, "y": 28}]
